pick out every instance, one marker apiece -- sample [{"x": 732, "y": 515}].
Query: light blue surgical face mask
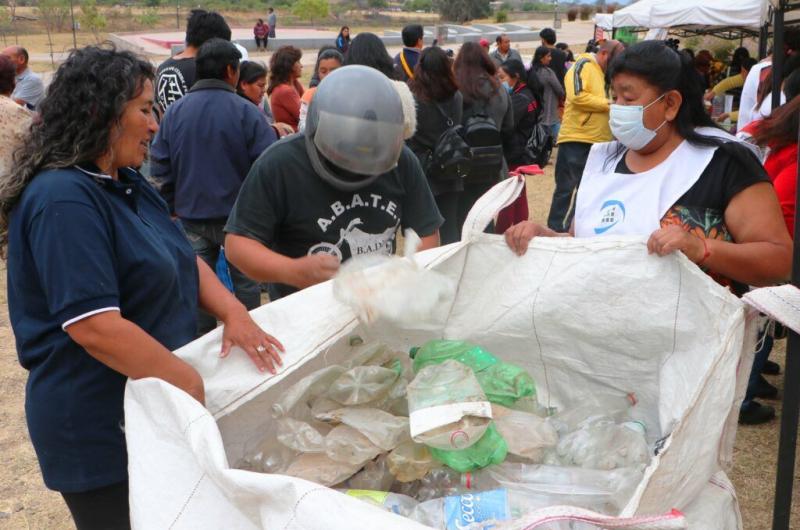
[
  {"x": 508, "y": 87},
  {"x": 627, "y": 125}
]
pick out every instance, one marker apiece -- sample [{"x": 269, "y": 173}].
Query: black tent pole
[
  {"x": 763, "y": 37},
  {"x": 781, "y": 515}
]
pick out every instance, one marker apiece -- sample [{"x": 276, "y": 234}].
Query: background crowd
[{"x": 291, "y": 181}]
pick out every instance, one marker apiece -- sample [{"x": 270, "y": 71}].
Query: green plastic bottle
[
  {"x": 503, "y": 383},
  {"x": 490, "y": 449}
]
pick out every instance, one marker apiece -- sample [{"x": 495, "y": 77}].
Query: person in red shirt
[
  {"x": 778, "y": 134},
  {"x": 260, "y": 32},
  {"x": 284, "y": 89}
]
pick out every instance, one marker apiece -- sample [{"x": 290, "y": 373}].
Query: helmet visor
[{"x": 359, "y": 144}]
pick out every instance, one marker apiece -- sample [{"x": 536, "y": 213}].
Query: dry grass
[{"x": 26, "y": 504}]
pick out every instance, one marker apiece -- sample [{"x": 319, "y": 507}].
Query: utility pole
[{"x": 72, "y": 18}]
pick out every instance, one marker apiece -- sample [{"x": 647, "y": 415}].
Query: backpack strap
[
  {"x": 406, "y": 68},
  {"x": 448, "y": 120}
]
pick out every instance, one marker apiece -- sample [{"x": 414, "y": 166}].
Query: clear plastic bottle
[
  {"x": 362, "y": 384},
  {"x": 527, "y": 435},
  {"x": 345, "y": 444},
  {"x": 381, "y": 428},
  {"x": 411, "y": 461},
  {"x": 605, "y": 445},
  {"x": 300, "y": 436},
  {"x": 447, "y": 408}
]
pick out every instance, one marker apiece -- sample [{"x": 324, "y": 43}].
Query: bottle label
[{"x": 460, "y": 511}]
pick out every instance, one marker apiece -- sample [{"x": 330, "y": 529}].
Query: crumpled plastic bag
[{"x": 395, "y": 289}]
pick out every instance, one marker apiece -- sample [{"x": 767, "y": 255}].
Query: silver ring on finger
[{"x": 260, "y": 349}]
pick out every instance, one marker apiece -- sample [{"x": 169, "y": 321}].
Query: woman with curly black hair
[
  {"x": 284, "y": 89},
  {"x": 102, "y": 284}
]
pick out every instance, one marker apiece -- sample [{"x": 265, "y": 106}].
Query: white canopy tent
[
  {"x": 636, "y": 15},
  {"x": 604, "y": 21},
  {"x": 709, "y": 14}
]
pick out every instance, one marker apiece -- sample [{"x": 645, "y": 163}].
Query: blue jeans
[
  {"x": 554, "y": 130},
  {"x": 570, "y": 162},
  {"x": 762, "y": 354},
  {"x": 206, "y": 239}
]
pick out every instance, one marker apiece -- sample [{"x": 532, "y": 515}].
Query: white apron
[{"x": 611, "y": 203}]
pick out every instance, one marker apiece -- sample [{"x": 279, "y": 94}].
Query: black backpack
[
  {"x": 451, "y": 156},
  {"x": 540, "y": 145},
  {"x": 480, "y": 132}
]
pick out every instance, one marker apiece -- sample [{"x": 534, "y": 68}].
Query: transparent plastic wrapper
[
  {"x": 395, "y": 289},
  {"x": 605, "y": 445},
  {"x": 375, "y": 476},
  {"x": 503, "y": 383},
  {"x": 490, "y": 449},
  {"x": 392, "y": 502},
  {"x": 598, "y": 490},
  {"x": 300, "y": 436},
  {"x": 345, "y": 444},
  {"x": 447, "y": 407},
  {"x": 527, "y": 435},
  {"x": 615, "y": 409},
  {"x": 362, "y": 384},
  {"x": 381, "y": 428},
  {"x": 317, "y": 467},
  {"x": 410, "y": 461},
  {"x": 306, "y": 390}
]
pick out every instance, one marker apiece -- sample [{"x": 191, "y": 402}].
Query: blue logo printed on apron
[{"x": 613, "y": 213}]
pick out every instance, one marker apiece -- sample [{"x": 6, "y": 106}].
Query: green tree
[
  {"x": 501, "y": 16},
  {"x": 53, "y": 13},
  {"x": 378, "y": 4},
  {"x": 462, "y": 10},
  {"x": 310, "y": 9},
  {"x": 92, "y": 19},
  {"x": 5, "y": 22}
]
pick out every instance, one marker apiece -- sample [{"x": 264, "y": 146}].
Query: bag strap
[
  {"x": 448, "y": 120},
  {"x": 406, "y": 68},
  {"x": 489, "y": 204}
]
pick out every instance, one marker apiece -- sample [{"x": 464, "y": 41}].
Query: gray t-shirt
[{"x": 29, "y": 88}]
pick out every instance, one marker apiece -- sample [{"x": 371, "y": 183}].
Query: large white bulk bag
[{"x": 586, "y": 317}]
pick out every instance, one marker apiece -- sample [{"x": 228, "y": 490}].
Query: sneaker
[
  {"x": 755, "y": 413},
  {"x": 771, "y": 368},
  {"x": 765, "y": 390}
]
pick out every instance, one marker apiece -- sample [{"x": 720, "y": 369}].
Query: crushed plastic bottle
[
  {"x": 410, "y": 461},
  {"x": 599, "y": 490},
  {"x": 381, "y": 428},
  {"x": 300, "y": 436},
  {"x": 391, "y": 502},
  {"x": 306, "y": 390},
  {"x": 345, "y": 444},
  {"x": 375, "y": 476},
  {"x": 447, "y": 408},
  {"x": 317, "y": 467},
  {"x": 462, "y": 511},
  {"x": 605, "y": 445},
  {"x": 527, "y": 435},
  {"x": 363, "y": 384},
  {"x": 503, "y": 383},
  {"x": 490, "y": 449}
]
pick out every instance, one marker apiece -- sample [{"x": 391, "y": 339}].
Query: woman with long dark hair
[
  {"x": 284, "y": 89},
  {"x": 439, "y": 107},
  {"x": 103, "y": 285},
  {"x": 552, "y": 90},
  {"x": 476, "y": 76},
  {"x": 252, "y": 85},
  {"x": 343, "y": 40},
  {"x": 674, "y": 176}
]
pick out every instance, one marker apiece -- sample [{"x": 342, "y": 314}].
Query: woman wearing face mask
[
  {"x": 526, "y": 110},
  {"x": 673, "y": 176}
]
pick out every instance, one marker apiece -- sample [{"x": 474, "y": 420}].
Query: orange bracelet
[{"x": 706, "y": 252}]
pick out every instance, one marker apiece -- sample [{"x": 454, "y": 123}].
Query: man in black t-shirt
[
  {"x": 558, "y": 58},
  {"x": 299, "y": 214},
  {"x": 176, "y": 75}
]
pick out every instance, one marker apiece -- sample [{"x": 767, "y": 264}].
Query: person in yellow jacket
[
  {"x": 585, "y": 122},
  {"x": 731, "y": 83}
]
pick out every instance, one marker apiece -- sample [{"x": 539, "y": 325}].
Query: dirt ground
[{"x": 26, "y": 504}]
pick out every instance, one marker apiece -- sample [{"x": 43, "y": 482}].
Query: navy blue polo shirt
[{"x": 78, "y": 244}]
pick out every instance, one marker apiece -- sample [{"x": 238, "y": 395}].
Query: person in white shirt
[{"x": 747, "y": 101}]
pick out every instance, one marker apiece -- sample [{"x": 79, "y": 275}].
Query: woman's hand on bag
[
  {"x": 519, "y": 235},
  {"x": 667, "y": 240},
  {"x": 240, "y": 330}
]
